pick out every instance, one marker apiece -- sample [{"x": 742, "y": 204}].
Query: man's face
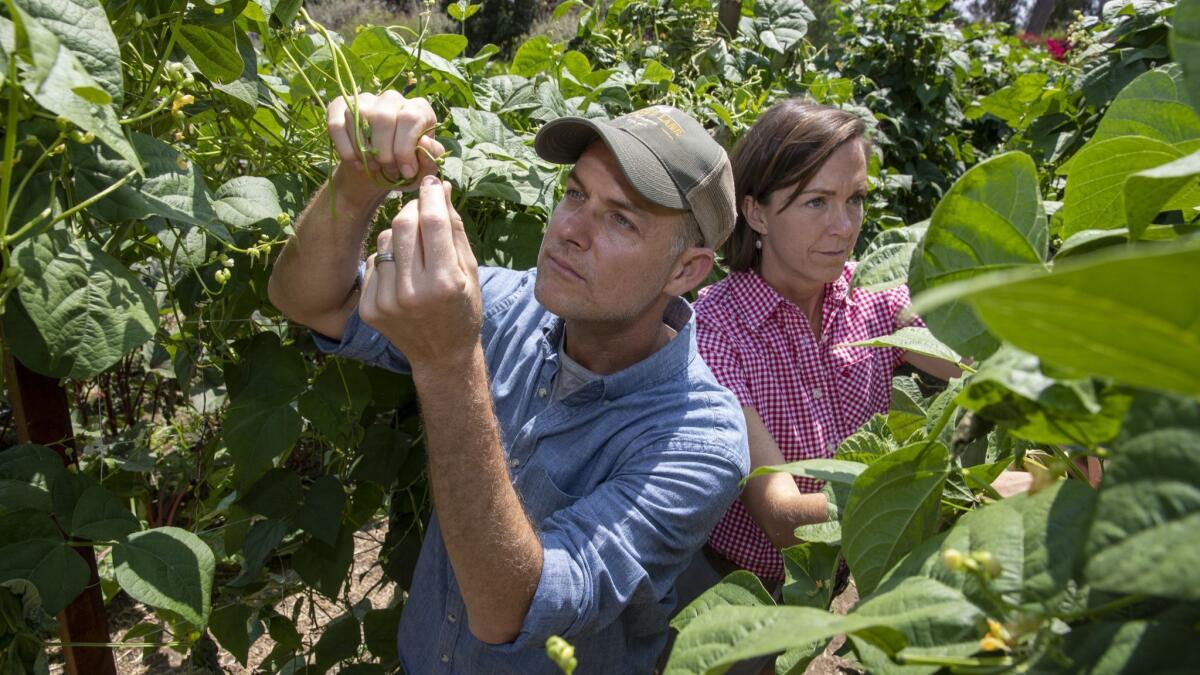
[{"x": 607, "y": 253}]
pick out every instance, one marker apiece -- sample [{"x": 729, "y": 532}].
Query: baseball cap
[{"x": 667, "y": 156}]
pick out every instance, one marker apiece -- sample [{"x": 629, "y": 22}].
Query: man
[{"x": 579, "y": 449}]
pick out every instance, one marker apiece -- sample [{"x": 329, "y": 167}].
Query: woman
[{"x": 772, "y": 330}]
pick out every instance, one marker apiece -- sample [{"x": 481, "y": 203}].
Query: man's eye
[{"x": 622, "y": 221}]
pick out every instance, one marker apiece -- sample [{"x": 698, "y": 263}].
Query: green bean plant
[
  {"x": 156, "y": 153},
  {"x": 1084, "y": 343}
]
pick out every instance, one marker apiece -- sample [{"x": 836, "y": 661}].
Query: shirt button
[
  {"x": 816, "y": 392},
  {"x": 542, "y": 392},
  {"x": 445, "y": 658},
  {"x": 831, "y": 446},
  {"x": 606, "y": 401},
  {"x": 451, "y": 618},
  {"x": 514, "y": 462}
]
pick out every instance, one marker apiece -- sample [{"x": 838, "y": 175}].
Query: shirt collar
[
  {"x": 758, "y": 300},
  {"x": 672, "y": 359}
]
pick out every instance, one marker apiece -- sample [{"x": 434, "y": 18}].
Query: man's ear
[
  {"x": 690, "y": 270},
  {"x": 755, "y": 214}
]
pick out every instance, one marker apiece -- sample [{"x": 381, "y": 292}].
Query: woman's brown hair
[{"x": 787, "y": 146}]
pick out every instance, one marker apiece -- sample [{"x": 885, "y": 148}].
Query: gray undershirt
[{"x": 571, "y": 376}]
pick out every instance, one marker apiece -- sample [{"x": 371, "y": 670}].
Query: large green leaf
[
  {"x": 81, "y": 27},
  {"x": 276, "y": 495},
  {"x": 836, "y": 470},
  {"x": 913, "y": 339},
  {"x": 1162, "y": 645},
  {"x": 780, "y": 24},
  {"x": 1166, "y": 187},
  {"x": 1011, "y": 389},
  {"x": 325, "y": 567},
  {"x": 167, "y": 568},
  {"x": 339, "y": 641},
  {"x": 51, "y": 564},
  {"x": 267, "y": 372},
  {"x": 888, "y": 257},
  {"x": 990, "y": 219},
  {"x": 260, "y": 543},
  {"x": 100, "y": 516},
  {"x": 1153, "y": 105},
  {"x": 172, "y": 187},
  {"x": 1185, "y": 46},
  {"x": 27, "y": 474},
  {"x": 257, "y": 432},
  {"x": 1145, "y": 537},
  {"x": 535, "y": 55},
  {"x": 336, "y": 401},
  {"x": 61, "y": 83},
  {"x": 1036, "y": 538},
  {"x": 213, "y": 49},
  {"x": 246, "y": 200},
  {"x": 741, "y": 588},
  {"x": 321, "y": 513},
  {"x": 893, "y": 506},
  {"x": 230, "y": 626},
  {"x": 727, "y": 634},
  {"x": 244, "y": 90},
  {"x": 1131, "y": 314},
  {"x": 810, "y": 571},
  {"x": 89, "y": 308},
  {"x": 1095, "y": 193}
]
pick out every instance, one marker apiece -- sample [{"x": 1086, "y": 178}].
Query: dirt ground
[{"x": 366, "y": 581}]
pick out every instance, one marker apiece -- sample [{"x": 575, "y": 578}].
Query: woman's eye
[
  {"x": 858, "y": 200},
  {"x": 815, "y": 202},
  {"x": 572, "y": 193}
]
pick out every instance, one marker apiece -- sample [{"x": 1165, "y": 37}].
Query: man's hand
[
  {"x": 392, "y": 129},
  {"x": 427, "y": 300}
]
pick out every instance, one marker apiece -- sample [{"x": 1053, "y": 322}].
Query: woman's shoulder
[{"x": 716, "y": 299}]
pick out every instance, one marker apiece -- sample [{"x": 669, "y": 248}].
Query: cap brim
[{"x": 563, "y": 140}]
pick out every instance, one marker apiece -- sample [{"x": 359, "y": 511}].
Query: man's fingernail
[
  {"x": 407, "y": 171},
  {"x": 430, "y": 180}
]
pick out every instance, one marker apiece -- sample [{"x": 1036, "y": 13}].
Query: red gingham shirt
[{"x": 810, "y": 394}]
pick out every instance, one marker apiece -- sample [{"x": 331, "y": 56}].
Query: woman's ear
[{"x": 755, "y": 214}]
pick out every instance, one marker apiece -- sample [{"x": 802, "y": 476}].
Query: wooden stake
[{"x": 40, "y": 409}]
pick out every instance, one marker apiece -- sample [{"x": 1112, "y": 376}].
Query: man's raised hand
[
  {"x": 392, "y": 128},
  {"x": 426, "y": 299}
]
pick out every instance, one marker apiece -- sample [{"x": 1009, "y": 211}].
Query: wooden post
[
  {"x": 729, "y": 15},
  {"x": 40, "y": 409}
]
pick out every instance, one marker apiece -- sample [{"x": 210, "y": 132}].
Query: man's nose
[{"x": 574, "y": 227}]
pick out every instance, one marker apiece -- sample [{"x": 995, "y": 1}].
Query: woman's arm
[
  {"x": 774, "y": 501},
  {"x": 939, "y": 368}
]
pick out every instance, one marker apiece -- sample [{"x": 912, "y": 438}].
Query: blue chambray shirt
[{"x": 623, "y": 479}]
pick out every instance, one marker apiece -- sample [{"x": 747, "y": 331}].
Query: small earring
[{"x": 758, "y": 244}]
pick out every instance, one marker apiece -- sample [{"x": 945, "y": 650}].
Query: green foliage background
[{"x": 155, "y": 153}]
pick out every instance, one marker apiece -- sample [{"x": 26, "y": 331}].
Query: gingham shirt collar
[{"x": 758, "y": 301}]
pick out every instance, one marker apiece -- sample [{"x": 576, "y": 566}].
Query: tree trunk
[
  {"x": 1039, "y": 16},
  {"x": 729, "y": 14}
]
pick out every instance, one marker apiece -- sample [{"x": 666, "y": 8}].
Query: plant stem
[
  {"x": 10, "y": 143},
  {"x": 950, "y": 661},
  {"x": 74, "y": 209},
  {"x": 1103, "y": 609}
]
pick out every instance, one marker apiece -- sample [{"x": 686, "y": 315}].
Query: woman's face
[{"x": 807, "y": 243}]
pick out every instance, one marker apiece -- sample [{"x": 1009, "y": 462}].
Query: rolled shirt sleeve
[
  {"x": 626, "y": 543},
  {"x": 361, "y": 342}
]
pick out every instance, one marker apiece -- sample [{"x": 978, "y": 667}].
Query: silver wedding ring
[{"x": 385, "y": 256}]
